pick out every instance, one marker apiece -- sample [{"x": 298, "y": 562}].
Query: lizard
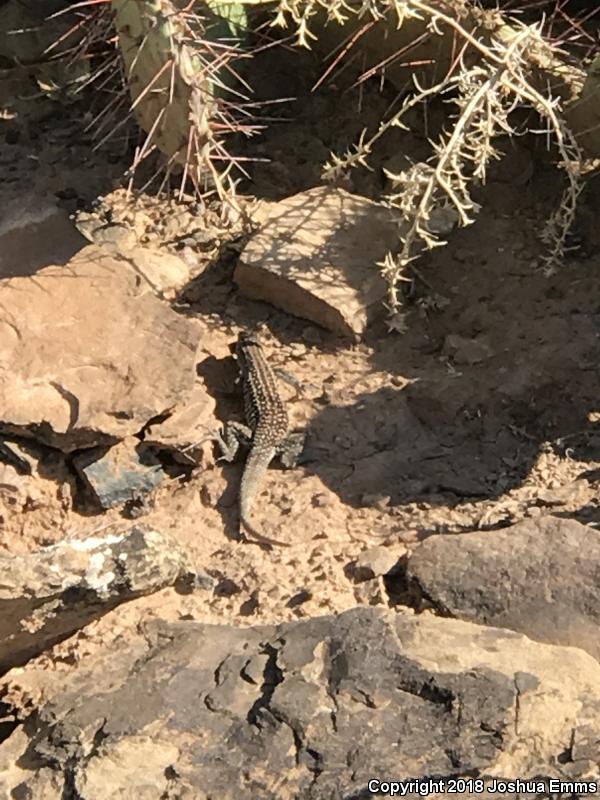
[{"x": 266, "y": 432}]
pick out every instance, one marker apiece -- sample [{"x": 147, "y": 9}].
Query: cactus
[{"x": 178, "y": 69}]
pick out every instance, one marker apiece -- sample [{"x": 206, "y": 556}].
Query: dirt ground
[{"x": 409, "y": 434}]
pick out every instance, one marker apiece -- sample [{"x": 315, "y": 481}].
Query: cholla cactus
[
  {"x": 486, "y": 89},
  {"x": 177, "y": 62}
]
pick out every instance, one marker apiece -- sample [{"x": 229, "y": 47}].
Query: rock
[
  {"x": 35, "y": 233},
  {"x": 539, "y": 577},
  {"x": 371, "y": 593},
  {"x": 561, "y": 495},
  {"x": 442, "y": 220},
  {"x": 124, "y": 472},
  {"x": 379, "y": 501},
  {"x": 166, "y": 273},
  {"x": 316, "y": 256},
  {"x": 313, "y": 710},
  {"x": 376, "y": 561},
  {"x": 21, "y": 492},
  {"x": 117, "y": 237},
  {"x": 89, "y": 355},
  {"x": 186, "y": 427},
  {"x": 47, "y": 595},
  {"x": 467, "y": 351}
]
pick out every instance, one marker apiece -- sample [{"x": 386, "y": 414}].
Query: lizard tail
[
  {"x": 254, "y": 471},
  {"x": 257, "y": 537}
]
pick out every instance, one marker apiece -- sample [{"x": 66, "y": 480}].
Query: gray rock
[
  {"x": 311, "y": 710},
  {"x": 316, "y": 256},
  {"x": 540, "y": 577},
  {"x": 376, "y": 561},
  {"x": 442, "y": 220},
  {"x": 90, "y": 354},
  {"x": 47, "y": 595},
  {"x": 124, "y": 472}
]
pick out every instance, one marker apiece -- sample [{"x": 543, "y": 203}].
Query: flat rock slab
[
  {"x": 89, "y": 354},
  {"x": 311, "y": 710},
  {"x": 316, "y": 256},
  {"x": 540, "y": 577},
  {"x": 35, "y": 233},
  {"x": 125, "y": 472},
  {"x": 47, "y": 595}
]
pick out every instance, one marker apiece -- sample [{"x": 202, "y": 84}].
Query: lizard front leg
[{"x": 230, "y": 438}]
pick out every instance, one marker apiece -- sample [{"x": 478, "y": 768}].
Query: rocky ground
[{"x": 447, "y": 504}]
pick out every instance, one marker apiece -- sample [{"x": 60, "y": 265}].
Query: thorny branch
[{"x": 485, "y": 93}]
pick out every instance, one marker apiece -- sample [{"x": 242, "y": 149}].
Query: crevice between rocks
[
  {"x": 273, "y": 676},
  {"x": 406, "y": 591}
]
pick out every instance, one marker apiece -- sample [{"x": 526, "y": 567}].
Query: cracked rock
[
  {"x": 66, "y": 378},
  {"x": 539, "y": 577},
  {"x": 184, "y": 432},
  {"x": 309, "y": 710},
  {"x": 47, "y": 595}
]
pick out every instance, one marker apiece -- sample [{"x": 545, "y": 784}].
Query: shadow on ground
[{"x": 522, "y": 374}]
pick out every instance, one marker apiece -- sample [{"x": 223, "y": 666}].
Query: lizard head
[{"x": 248, "y": 337}]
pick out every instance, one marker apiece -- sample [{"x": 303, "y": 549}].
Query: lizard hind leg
[{"x": 290, "y": 450}]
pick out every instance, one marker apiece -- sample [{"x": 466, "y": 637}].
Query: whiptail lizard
[{"x": 266, "y": 432}]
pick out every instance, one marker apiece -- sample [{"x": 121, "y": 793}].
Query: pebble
[{"x": 377, "y": 561}]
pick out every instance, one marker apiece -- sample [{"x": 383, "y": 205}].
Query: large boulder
[
  {"x": 89, "y": 354},
  {"x": 540, "y": 577},
  {"x": 313, "y": 710}
]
